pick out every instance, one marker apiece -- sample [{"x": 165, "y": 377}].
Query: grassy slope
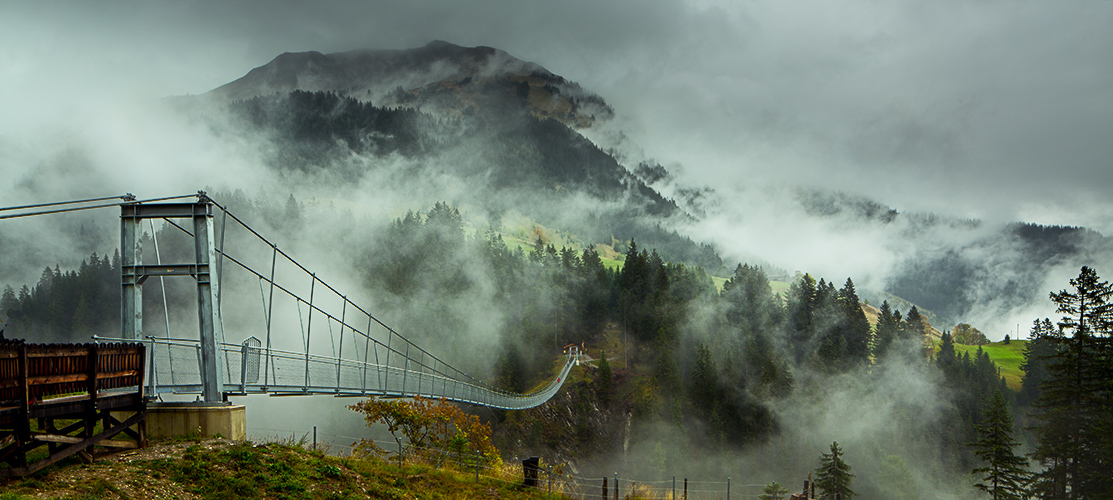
[
  {"x": 222, "y": 469},
  {"x": 1008, "y": 357}
]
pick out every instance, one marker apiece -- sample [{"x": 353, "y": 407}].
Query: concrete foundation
[{"x": 183, "y": 419}]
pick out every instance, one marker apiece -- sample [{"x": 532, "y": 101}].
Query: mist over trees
[
  {"x": 514, "y": 159},
  {"x": 66, "y": 306},
  {"x": 722, "y": 369}
]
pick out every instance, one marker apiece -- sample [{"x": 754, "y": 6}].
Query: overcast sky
[{"x": 1000, "y": 110}]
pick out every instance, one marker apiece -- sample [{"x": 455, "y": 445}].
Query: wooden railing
[
  {"x": 36, "y": 372},
  {"x": 58, "y": 384}
]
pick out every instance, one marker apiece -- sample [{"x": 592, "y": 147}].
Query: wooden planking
[{"x": 111, "y": 443}]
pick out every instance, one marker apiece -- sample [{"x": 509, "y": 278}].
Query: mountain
[
  {"x": 963, "y": 270},
  {"x": 442, "y": 77},
  {"x": 477, "y": 126},
  {"x": 473, "y": 126}
]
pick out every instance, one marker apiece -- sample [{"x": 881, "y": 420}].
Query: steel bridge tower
[{"x": 134, "y": 273}]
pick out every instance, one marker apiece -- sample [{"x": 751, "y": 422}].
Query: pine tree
[
  {"x": 913, "y": 327},
  {"x": 1074, "y": 402},
  {"x": 855, "y": 327},
  {"x": 802, "y": 306},
  {"x": 946, "y": 359},
  {"x": 1005, "y": 474},
  {"x": 8, "y": 302},
  {"x": 773, "y": 491},
  {"x": 833, "y": 476},
  {"x": 888, "y": 326},
  {"x": 750, "y": 302},
  {"x": 704, "y": 386},
  {"x": 1038, "y": 352}
]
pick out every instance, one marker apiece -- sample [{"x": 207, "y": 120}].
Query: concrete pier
[{"x": 200, "y": 419}]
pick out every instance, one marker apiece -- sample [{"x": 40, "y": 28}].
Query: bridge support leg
[
  {"x": 131, "y": 257},
  {"x": 208, "y": 306}
]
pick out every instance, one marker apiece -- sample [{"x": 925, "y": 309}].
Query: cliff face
[{"x": 573, "y": 428}]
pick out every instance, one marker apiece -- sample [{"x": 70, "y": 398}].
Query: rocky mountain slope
[{"x": 507, "y": 135}]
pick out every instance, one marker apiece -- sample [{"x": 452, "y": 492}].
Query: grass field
[{"x": 1008, "y": 357}]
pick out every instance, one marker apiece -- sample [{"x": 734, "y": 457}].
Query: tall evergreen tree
[
  {"x": 1005, "y": 476},
  {"x": 855, "y": 328},
  {"x": 802, "y": 307},
  {"x": 1074, "y": 402},
  {"x": 833, "y": 475},
  {"x": 913, "y": 327},
  {"x": 8, "y": 302},
  {"x": 888, "y": 327},
  {"x": 749, "y": 300},
  {"x": 1041, "y": 348},
  {"x": 946, "y": 359}
]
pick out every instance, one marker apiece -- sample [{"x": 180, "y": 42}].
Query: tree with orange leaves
[{"x": 430, "y": 428}]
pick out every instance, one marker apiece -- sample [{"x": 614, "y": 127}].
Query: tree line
[
  {"x": 715, "y": 383},
  {"x": 66, "y": 306}
]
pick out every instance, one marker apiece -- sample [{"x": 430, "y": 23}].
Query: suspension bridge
[{"x": 363, "y": 356}]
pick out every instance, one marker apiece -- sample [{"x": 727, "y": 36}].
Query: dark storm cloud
[{"x": 978, "y": 109}]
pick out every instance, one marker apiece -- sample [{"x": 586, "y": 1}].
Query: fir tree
[
  {"x": 773, "y": 491},
  {"x": 946, "y": 359},
  {"x": 888, "y": 327},
  {"x": 1074, "y": 417},
  {"x": 802, "y": 307},
  {"x": 1041, "y": 347},
  {"x": 855, "y": 327},
  {"x": 913, "y": 327},
  {"x": 1005, "y": 475},
  {"x": 833, "y": 476}
]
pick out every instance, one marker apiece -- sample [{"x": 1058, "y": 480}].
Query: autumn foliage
[{"x": 433, "y": 429}]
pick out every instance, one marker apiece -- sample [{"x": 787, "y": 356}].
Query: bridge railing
[{"x": 174, "y": 367}]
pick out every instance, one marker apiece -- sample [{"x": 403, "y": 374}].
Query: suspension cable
[
  {"x": 127, "y": 200},
  {"x": 126, "y": 197},
  {"x": 328, "y": 315},
  {"x": 333, "y": 290}
]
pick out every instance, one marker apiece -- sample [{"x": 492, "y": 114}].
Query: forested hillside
[
  {"x": 510, "y": 159},
  {"x": 723, "y": 371}
]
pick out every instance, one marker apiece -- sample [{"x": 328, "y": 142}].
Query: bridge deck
[{"x": 256, "y": 370}]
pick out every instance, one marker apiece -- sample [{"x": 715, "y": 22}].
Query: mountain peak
[
  {"x": 439, "y": 77},
  {"x": 370, "y": 74}
]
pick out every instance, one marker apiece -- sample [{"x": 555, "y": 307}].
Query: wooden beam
[
  {"x": 54, "y": 351},
  {"x": 112, "y": 443},
  {"x": 57, "y": 379},
  {"x": 72, "y": 449}
]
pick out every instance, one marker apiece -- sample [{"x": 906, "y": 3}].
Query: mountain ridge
[
  {"x": 501, "y": 106},
  {"x": 440, "y": 76}
]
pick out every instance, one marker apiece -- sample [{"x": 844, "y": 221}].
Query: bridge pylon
[{"x": 134, "y": 272}]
